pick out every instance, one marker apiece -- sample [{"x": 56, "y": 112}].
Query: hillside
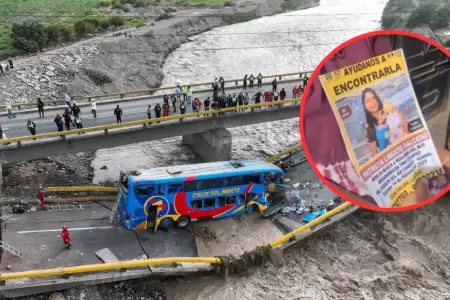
[
  {"x": 53, "y": 22},
  {"x": 428, "y": 17}
]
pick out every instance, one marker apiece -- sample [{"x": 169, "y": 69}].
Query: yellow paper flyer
[{"x": 382, "y": 125}]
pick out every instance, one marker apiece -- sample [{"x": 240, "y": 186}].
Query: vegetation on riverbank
[
  {"x": 43, "y": 23},
  {"x": 288, "y": 5},
  {"x": 411, "y": 14}
]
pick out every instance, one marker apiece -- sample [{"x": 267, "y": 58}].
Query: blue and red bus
[{"x": 183, "y": 194}]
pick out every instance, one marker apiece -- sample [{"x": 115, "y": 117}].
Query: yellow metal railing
[
  {"x": 108, "y": 266},
  {"x": 122, "y": 94},
  {"x": 284, "y": 152},
  {"x": 53, "y": 189},
  {"x": 143, "y": 122}
]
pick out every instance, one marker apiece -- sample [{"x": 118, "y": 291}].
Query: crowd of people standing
[
  {"x": 71, "y": 117},
  {"x": 180, "y": 101},
  {"x": 183, "y": 97}
]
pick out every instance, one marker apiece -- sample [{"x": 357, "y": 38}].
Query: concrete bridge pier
[
  {"x": 1, "y": 182},
  {"x": 211, "y": 145}
]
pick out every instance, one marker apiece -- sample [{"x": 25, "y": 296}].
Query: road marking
[
  {"x": 70, "y": 229},
  {"x": 98, "y": 117}
]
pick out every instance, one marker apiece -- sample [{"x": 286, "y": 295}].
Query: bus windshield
[{"x": 189, "y": 193}]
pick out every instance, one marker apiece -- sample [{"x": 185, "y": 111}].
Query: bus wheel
[
  {"x": 183, "y": 222},
  {"x": 254, "y": 208}
]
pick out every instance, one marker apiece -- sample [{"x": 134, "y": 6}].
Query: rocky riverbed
[{"x": 128, "y": 290}]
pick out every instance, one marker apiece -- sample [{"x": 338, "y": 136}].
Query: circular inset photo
[{"x": 374, "y": 120}]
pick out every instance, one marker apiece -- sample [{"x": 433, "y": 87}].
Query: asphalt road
[
  {"x": 38, "y": 235},
  {"x": 132, "y": 111}
]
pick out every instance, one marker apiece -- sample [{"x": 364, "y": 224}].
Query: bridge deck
[
  {"x": 38, "y": 235},
  {"x": 132, "y": 110}
]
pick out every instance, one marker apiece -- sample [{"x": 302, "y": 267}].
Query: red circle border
[{"x": 302, "y": 108}]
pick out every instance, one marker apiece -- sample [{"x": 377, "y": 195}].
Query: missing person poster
[{"x": 384, "y": 131}]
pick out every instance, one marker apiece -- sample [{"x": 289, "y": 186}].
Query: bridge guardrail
[
  {"x": 108, "y": 266},
  {"x": 53, "y": 189},
  {"x": 284, "y": 152},
  {"x": 123, "y": 94},
  {"x": 287, "y": 237},
  {"x": 144, "y": 123}
]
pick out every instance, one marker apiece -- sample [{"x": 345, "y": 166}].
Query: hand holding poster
[{"x": 382, "y": 125}]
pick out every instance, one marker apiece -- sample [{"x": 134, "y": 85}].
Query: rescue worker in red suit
[
  {"x": 198, "y": 104},
  {"x": 65, "y": 236},
  {"x": 268, "y": 97},
  {"x": 41, "y": 197},
  {"x": 166, "y": 109},
  {"x": 295, "y": 92}
]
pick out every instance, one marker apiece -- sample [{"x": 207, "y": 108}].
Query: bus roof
[{"x": 206, "y": 170}]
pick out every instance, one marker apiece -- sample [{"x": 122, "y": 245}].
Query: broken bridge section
[{"x": 39, "y": 235}]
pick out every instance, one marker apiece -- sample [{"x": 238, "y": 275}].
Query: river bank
[{"x": 109, "y": 63}]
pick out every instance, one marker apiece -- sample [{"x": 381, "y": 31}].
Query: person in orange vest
[
  {"x": 41, "y": 197},
  {"x": 66, "y": 236}
]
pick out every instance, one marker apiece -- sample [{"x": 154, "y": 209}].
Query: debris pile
[{"x": 247, "y": 261}]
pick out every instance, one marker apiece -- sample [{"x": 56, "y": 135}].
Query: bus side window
[
  {"x": 269, "y": 177},
  {"x": 174, "y": 188},
  {"x": 241, "y": 199},
  {"x": 255, "y": 178},
  {"x": 279, "y": 178},
  {"x": 152, "y": 190},
  {"x": 140, "y": 191},
  {"x": 252, "y": 197},
  {"x": 146, "y": 191},
  {"x": 240, "y": 180},
  {"x": 215, "y": 183},
  {"x": 196, "y": 204},
  {"x": 222, "y": 201},
  {"x": 230, "y": 200},
  {"x": 209, "y": 203},
  {"x": 191, "y": 186}
]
